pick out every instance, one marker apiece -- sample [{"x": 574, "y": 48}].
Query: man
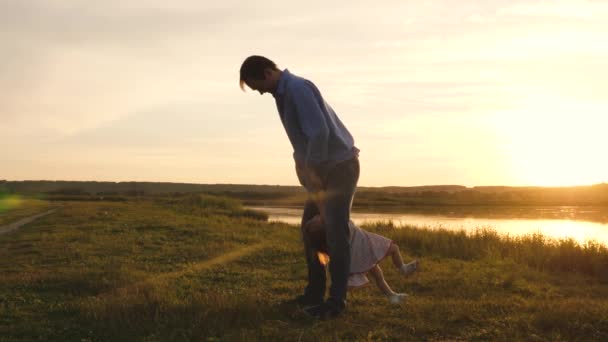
[{"x": 327, "y": 165}]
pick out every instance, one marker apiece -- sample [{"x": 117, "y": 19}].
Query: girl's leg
[
  {"x": 393, "y": 297},
  {"x": 378, "y": 276},
  {"x": 405, "y": 269},
  {"x": 396, "y": 255}
]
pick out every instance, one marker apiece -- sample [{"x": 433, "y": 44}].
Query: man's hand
[
  {"x": 315, "y": 182},
  {"x": 309, "y": 177},
  {"x": 311, "y": 180}
]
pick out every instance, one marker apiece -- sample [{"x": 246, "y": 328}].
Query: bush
[
  {"x": 208, "y": 205},
  {"x": 534, "y": 250}
]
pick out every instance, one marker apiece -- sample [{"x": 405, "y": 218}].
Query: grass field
[{"x": 203, "y": 269}]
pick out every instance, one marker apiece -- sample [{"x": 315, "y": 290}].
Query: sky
[{"x": 434, "y": 92}]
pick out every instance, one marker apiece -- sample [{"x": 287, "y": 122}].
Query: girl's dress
[{"x": 366, "y": 251}]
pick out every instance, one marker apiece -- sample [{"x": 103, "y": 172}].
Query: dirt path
[
  {"x": 222, "y": 259},
  {"x": 18, "y": 224},
  {"x": 191, "y": 268}
]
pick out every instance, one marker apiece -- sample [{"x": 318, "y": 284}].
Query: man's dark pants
[{"x": 340, "y": 187}]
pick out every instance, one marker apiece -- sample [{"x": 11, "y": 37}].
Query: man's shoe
[
  {"x": 306, "y": 301},
  {"x": 332, "y": 310},
  {"x": 323, "y": 311},
  {"x": 314, "y": 311}
]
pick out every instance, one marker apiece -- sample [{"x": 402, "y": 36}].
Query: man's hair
[{"x": 253, "y": 68}]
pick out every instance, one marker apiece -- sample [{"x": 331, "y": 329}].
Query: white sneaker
[
  {"x": 397, "y": 298},
  {"x": 409, "y": 268}
]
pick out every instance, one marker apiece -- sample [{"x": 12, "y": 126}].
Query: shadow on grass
[{"x": 154, "y": 311}]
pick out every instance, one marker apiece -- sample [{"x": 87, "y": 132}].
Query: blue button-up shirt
[{"x": 318, "y": 137}]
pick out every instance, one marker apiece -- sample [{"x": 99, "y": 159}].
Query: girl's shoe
[
  {"x": 409, "y": 268},
  {"x": 397, "y": 298}
]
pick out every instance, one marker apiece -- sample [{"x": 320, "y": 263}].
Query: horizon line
[{"x": 297, "y": 185}]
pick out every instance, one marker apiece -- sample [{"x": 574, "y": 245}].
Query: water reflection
[{"x": 558, "y": 223}]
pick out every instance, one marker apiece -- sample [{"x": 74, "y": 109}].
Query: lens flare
[
  {"x": 323, "y": 258},
  {"x": 9, "y": 202}
]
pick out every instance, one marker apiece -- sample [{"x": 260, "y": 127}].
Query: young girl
[{"x": 366, "y": 251}]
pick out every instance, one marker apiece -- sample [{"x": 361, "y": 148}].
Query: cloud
[
  {"x": 109, "y": 22},
  {"x": 72, "y": 65},
  {"x": 159, "y": 78},
  {"x": 176, "y": 126},
  {"x": 575, "y": 9}
]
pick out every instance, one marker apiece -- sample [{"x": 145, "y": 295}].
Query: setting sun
[{"x": 564, "y": 146}]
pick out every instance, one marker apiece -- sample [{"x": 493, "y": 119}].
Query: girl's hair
[{"x": 315, "y": 232}]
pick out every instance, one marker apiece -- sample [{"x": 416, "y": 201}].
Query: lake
[{"x": 579, "y": 223}]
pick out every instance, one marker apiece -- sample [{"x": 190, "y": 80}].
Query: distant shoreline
[{"x": 276, "y": 195}]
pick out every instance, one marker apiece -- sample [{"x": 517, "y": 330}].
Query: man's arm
[
  {"x": 308, "y": 177},
  {"x": 312, "y": 122}
]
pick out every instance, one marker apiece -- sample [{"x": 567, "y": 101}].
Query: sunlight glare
[{"x": 549, "y": 146}]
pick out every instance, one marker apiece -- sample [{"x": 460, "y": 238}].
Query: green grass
[
  {"x": 534, "y": 250},
  {"x": 201, "y": 269}
]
